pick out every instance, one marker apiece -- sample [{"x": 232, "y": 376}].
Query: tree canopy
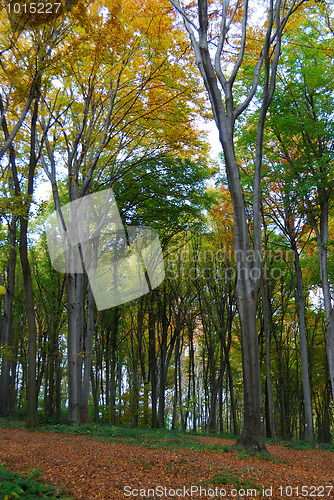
[{"x": 239, "y": 337}]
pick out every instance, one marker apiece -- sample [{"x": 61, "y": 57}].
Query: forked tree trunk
[
  {"x": 225, "y": 112},
  {"x": 248, "y": 276}
]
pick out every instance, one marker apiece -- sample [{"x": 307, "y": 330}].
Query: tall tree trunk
[
  {"x": 75, "y": 286},
  {"x": 32, "y": 420},
  {"x": 176, "y": 385},
  {"x": 252, "y": 433},
  {"x": 233, "y": 407},
  {"x": 88, "y": 355},
  {"x": 153, "y": 362},
  {"x": 50, "y": 371},
  {"x": 322, "y": 240},
  {"x": 7, "y": 327},
  {"x": 135, "y": 392},
  {"x": 182, "y": 415},
  {"x": 192, "y": 374},
  {"x": 58, "y": 386},
  {"x": 216, "y": 385},
  {"x": 136, "y": 350},
  {"x": 113, "y": 341},
  {"x": 220, "y": 90},
  {"x": 267, "y": 325},
  {"x": 162, "y": 374},
  {"x": 107, "y": 361},
  {"x": 308, "y": 424},
  {"x": 95, "y": 396}
]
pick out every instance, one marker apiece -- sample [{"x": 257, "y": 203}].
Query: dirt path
[{"x": 100, "y": 470}]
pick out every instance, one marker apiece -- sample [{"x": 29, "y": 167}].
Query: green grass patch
[
  {"x": 14, "y": 486},
  {"x": 245, "y": 455},
  {"x": 161, "y": 438},
  {"x": 144, "y": 437},
  {"x": 231, "y": 479},
  {"x": 8, "y": 423},
  {"x": 304, "y": 445}
]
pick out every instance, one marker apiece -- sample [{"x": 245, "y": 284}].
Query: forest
[{"x": 238, "y": 338}]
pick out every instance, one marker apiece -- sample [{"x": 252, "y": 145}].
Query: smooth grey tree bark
[
  {"x": 308, "y": 426},
  {"x": 8, "y": 299},
  {"x": 75, "y": 286},
  {"x": 209, "y": 57},
  {"x": 32, "y": 419},
  {"x": 153, "y": 360},
  {"x": 322, "y": 233},
  {"x": 6, "y": 323},
  {"x": 267, "y": 332},
  {"x": 88, "y": 355}
]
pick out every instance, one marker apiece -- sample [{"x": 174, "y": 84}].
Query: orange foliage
[{"x": 223, "y": 221}]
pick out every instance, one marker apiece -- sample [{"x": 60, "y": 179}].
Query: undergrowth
[
  {"x": 162, "y": 438},
  {"x": 304, "y": 445},
  {"x": 144, "y": 437},
  {"x": 231, "y": 479},
  {"x": 14, "y": 486},
  {"x": 245, "y": 454}
]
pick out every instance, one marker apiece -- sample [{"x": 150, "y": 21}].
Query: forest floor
[{"x": 178, "y": 466}]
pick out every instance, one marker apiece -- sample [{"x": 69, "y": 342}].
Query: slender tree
[{"x": 210, "y": 28}]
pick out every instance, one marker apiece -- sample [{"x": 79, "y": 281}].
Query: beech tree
[
  {"x": 211, "y": 27},
  {"x": 117, "y": 102}
]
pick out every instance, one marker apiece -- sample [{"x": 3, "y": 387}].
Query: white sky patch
[
  {"x": 213, "y": 136},
  {"x": 43, "y": 191},
  {"x": 316, "y": 298}
]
